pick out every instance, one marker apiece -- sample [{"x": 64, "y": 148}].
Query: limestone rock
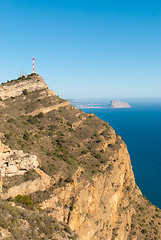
[
  {"x": 92, "y": 207},
  {"x": 16, "y": 162},
  {"x": 4, "y": 234},
  {"x": 25, "y": 188},
  {"x": 16, "y": 88}
]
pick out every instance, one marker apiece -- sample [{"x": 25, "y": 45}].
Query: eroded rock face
[
  {"x": 92, "y": 208},
  {"x": 16, "y": 88},
  {"x": 16, "y": 162},
  {"x": 28, "y": 187}
]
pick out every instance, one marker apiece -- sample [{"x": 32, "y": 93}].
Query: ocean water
[{"x": 140, "y": 128}]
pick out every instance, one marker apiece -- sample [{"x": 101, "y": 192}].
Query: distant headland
[
  {"x": 119, "y": 104},
  {"x": 95, "y": 104}
]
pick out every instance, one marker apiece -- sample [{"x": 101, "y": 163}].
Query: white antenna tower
[{"x": 33, "y": 65}]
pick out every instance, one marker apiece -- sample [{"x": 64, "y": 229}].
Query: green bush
[
  {"x": 69, "y": 124},
  {"x": 41, "y": 127},
  {"x": 40, "y": 115},
  {"x": 32, "y": 120},
  {"x": 97, "y": 156},
  {"x": 25, "y": 92},
  {"x": 144, "y": 231},
  {"x": 7, "y": 135},
  {"x": 52, "y": 127},
  {"x": 69, "y": 180},
  {"x": 10, "y": 120},
  {"x": 132, "y": 226},
  {"x": 26, "y": 136},
  {"x": 85, "y": 151},
  {"x": 33, "y": 74},
  {"x": 24, "y": 200}
]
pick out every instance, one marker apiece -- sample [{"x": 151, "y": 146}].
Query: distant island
[
  {"x": 119, "y": 104},
  {"x": 113, "y": 104}
]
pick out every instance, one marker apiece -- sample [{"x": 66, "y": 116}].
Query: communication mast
[{"x": 33, "y": 65}]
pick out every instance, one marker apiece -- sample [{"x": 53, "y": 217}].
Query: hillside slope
[{"x": 81, "y": 174}]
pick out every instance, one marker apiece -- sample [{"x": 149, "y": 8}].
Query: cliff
[
  {"x": 81, "y": 175},
  {"x": 16, "y": 87}
]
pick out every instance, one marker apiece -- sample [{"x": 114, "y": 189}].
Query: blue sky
[{"x": 84, "y": 49}]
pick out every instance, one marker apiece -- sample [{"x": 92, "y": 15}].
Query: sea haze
[{"x": 140, "y": 128}]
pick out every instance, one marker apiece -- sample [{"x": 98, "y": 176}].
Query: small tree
[
  {"x": 40, "y": 115},
  {"x": 25, "y": 92},
  {"x": 26, "y": 136}
]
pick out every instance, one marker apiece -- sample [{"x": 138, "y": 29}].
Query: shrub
[
  {"x": 110, "y": 167},
  {"x": 69, "y": 124},
  {"x": 49, "y": 154},
  {"x": 25, "y": 92},
  {"x": 97, "y": 156},
  {"x": 69, "y": 180},
  {"x": 26, "y": 136},
  {"x": 67, "y": 229},
  {"x": 36, "y": 136},
  {"x": 141, "y": 208},
  {"x": 33, "y": 74},
  {"x": 7, "y": 135},
  {"x": 144, "y": 231},
  {"x": 40, "y": 115},
  {"x": 52, "y": 127},
  {"x": 25, "y": 200},
  {"x": 41, "y": 127},
  {"x": 102, "y": 160},
  {"x": 10, "y": 120},
  {"x": 132, "y": 226},
  {"x": 42, "y": 148},
  {"x": 85, "y": 151},
  {"x": 32, "y": 120}
]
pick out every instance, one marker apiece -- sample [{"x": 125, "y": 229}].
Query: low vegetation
[{"x": 22, "y": 223}]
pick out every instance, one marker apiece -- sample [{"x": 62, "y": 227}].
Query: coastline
[
  {"x": 85, "y": 107},
  {"x": 140, "y": 128}
]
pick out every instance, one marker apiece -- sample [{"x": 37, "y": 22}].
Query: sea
[{"x": 140, "y": 128}]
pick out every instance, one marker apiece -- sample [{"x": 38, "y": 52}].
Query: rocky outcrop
[
  {"x": 26, "y": 188},
  {"x": 16, "y": 87},
  {"x": 4, "y": 234},
  {"x": 49, "y": 109},
  {"x": 16, "y": 162}
]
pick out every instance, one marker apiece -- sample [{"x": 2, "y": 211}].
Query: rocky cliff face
[
  {"x": 16, "y": 87},
  {"x": 77, "y": 169},
  {"x": 93, "y": 209},
  {"x": 16, "y": 162}
]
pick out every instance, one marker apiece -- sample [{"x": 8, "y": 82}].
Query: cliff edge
[
  {"x": 27, "y": 83},
  {"x": 81, "y": 177}
]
